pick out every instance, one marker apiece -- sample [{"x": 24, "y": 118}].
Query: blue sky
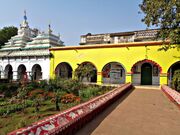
[{"x": 72, "y": 18}]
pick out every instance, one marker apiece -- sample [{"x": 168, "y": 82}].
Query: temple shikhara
[
  {"x": 116, "y": 58},
  {"x": 26, "y": 56}
]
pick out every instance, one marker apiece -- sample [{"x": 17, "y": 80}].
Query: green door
[{"x": 146, "y": 74}]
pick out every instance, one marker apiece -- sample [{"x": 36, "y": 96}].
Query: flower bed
[
  {"x": 68, "y": 121},
  {"x": 172, "y": 94}
]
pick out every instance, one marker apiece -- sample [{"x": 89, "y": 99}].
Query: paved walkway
[{"x": 140, "y": 112}]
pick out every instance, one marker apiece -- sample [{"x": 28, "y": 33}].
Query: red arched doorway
[{"x": 146, "y": 72}]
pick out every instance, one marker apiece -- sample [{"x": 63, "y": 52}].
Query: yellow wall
[{"x": 126, "y": 56}]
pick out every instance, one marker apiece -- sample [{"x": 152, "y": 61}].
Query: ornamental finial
[
  {"x": 49, "y": 29},
  {"x": 25, "y": 17}
]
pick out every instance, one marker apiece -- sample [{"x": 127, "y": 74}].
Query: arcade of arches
[
  {"x": 120, "y": 63},
  {"x": 145, "y": 72},
  {"x": 21, "y": 74}
]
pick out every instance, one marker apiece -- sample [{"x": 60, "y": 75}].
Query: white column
[
  {"x": 115, "y": 40},
  {"x": 15, "y": 75}
]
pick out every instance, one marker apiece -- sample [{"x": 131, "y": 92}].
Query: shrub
[
  {"x": 52, "y": 85},
  {"x": 35, "y": 93},
  {"x": 33, "y": 85},
  {"x": 43, "y": 84},
  {"x": 72, "y": 86},
  {"x": 3, "y": 87},
  {"x": 176, "y": 80},
  {"x": 68, "y": 98},
  {"x": 67, "y": 85},
  {"x": 11, "y": 90},
  {"x": 89, "y": 92}
]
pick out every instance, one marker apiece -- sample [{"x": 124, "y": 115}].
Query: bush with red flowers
[{"x": 69, "y": 98}]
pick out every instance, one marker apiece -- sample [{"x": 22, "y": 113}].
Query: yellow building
[{"x": 138, "y": 62}]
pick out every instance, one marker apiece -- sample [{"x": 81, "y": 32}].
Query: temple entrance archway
[
  {"x": 9, "y": 72},
  {"x": 63, "y": 70},
  {"x": 22, "y": 74},
  {"x": 113, "y": 73},
  {"x": 36, "y": 72},
  {"x": 171, "y": 71},
  {"x": 146, "y": 72}
]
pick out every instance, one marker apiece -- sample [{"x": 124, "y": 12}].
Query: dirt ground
[{"x": 140, "y": 112}]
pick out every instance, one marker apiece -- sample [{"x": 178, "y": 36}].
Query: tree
[
  {"x": 165, "y": 15},
  {"x": 6, "y": 33},
  {"x": 84, "y": 70}
]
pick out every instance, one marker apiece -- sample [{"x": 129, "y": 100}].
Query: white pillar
[
  {"x": 15, "y": 75},
  {"x": 115, "y": 40}
]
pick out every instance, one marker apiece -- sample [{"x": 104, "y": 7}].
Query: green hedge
[{"x": 176, "y": 80}]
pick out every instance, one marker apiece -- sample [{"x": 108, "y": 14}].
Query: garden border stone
[{"x": 173, "y": 95}]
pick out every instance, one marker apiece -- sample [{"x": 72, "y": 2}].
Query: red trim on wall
[
  {"x": 148, "y": 61},
  {"x": 99, "y": 73},
  {"x": 129, "y": 73}
]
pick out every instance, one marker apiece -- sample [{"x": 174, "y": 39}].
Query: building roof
[
  {"x": 122, "y": 33},
  {"x": 18, "y": 53},
  {"x": 130, "y": 44}
]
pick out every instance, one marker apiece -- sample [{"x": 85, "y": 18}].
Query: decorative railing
[
  {"x": 172, "y": 94},
  {"x": 68, "y": 121}
]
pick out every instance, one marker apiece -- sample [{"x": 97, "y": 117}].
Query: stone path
[{"x": 140, "y": 112}]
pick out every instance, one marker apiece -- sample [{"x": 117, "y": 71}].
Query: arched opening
[
  {"x": 22, "y": 74},
  {"x": 113, "y": 73},
  {"x": 171, "y": 71},
  {"x": 36, "y": 72},
  {"x": 86, "y": 72},
  {"x": 146, "y": 74},
  {"x": 9, "y": 72},
  {"x": 63, "y": 70}
]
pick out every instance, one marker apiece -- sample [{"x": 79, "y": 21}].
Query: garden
[{"x": 24, "y": 103}]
